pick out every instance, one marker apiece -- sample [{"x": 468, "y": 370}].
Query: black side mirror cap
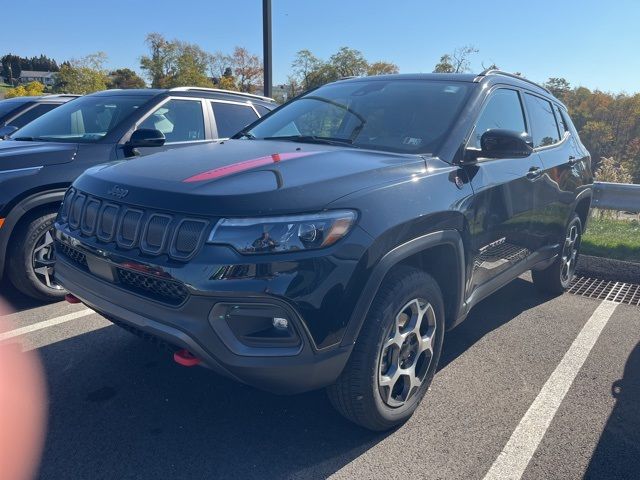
[
  {"x": 6, "y": 131},
  {"x": 499, "y": 143},
  {"x": 146, "y": 137}
]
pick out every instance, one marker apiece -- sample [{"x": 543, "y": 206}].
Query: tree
[
  {"x": 175, "y": 63},
  {"x": 558, "y": 86},
  {"x": 247, "y": 69},
  {"x": 382, "y": 68},
  {"x": 125, "y": 78},
  {"x": 158, "y": 65},
  {"x": 219, "y": 63},
  {"x": 348, "y": 62},
  {"x": 457, "y": 62},
  {"x": 29, "y": 90},
  {"x": 611, "y": 170},
  {"x": 305, "y": 65},
  {"x": 83, "y": 76}
]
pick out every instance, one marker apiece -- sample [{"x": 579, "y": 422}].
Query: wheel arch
[
  {"x": 22, "y": 210},
  {"x": 424, "y": 252}
]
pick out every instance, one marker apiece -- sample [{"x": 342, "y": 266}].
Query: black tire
[
  {"x": 357, "y": 394},
  {"x": 20, "y": 266},
  {"x": 557, "y": 277}
]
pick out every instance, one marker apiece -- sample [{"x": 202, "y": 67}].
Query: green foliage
[
  {"x": 125, "y": 78},
  {"x": 174, "y": 63},
  {"x": 310, "y": 71},
  {"x": 29, "y": 90},
  {"x": 83, "y": 76},
  {"x": 611, "y": 238},
  {"x": 12, "y": 65}
]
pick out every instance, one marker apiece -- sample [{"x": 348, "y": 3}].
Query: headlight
[{"x": 283, "y": 234}]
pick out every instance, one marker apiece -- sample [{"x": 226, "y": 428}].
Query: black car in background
[
  {"x": 332, "y": 243},
  {"x": 16, "y": 112},
  {"x": 39, "y": 161}
]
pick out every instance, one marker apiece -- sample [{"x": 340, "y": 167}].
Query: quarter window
[
  {"x": 561, "y": 123},
  {"x": 544, "y": 128},
  {"x": 231, "y": 118},
  {"x": 503, "y": 111},
  {"x": 179, "y": 120}
]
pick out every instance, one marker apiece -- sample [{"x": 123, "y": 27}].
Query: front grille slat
[{"x": 154, "y": 233}]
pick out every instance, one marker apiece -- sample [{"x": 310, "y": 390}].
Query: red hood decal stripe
[{"x": 246, "y": 165}]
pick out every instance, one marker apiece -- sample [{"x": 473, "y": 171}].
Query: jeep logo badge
[{"x": 118, "y": 191}]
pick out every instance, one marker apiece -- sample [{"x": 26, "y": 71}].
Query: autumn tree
[
  {"x": 382, "y": 68},
  {"x": 559, "y": 87},
  {"x": 247, "y": 68},
  {"x": 125, "y": 78},
  {"x": 82, "y": 76}
]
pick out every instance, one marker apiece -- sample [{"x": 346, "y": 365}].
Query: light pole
[{"x": 266, "y": 45}]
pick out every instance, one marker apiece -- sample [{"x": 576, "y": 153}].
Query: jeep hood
[
  {"x": 246, "y": 177},
  {"x": 16, "y": 154}
]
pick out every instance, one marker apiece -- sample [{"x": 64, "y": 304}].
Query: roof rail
[
  {"x": 219, "y": 90},
  {"x": 494, "y": 71}
]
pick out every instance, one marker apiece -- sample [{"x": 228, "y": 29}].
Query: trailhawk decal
[{"x": 246, "y": 165}]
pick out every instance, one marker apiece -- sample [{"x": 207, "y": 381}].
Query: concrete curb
[{"x": 608, "y": 269}]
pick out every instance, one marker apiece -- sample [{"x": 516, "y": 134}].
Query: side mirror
[
  {"x": 146, "y": 137},
  {"x": 500, "y": 143},
  {"x": 6, "y": 131}
]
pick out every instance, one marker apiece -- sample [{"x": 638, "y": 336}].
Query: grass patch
[{"x": 618, "y": 239}]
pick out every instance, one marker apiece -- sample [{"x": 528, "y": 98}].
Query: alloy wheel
[
  {"x": 570, "y": 253},
  {"x": 43, "y": 260},
  {"x": 406, "y": 353}
]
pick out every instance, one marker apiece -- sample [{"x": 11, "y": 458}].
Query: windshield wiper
[
  {"x": 342, "y": 142},
  {"x": 33, "y": 139}
]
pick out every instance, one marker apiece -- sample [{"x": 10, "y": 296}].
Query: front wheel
[
  {"x": 396, "y": 354},
  {"x": 31, "y": 259},
  {"x": 558, "y": 276}
]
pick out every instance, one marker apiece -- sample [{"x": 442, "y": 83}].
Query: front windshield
[
  {"x": 84, "y": 120},
  {"x": 401, "y": 115}
]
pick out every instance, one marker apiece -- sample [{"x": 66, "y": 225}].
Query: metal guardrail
[{"x": 623, "y": 197}]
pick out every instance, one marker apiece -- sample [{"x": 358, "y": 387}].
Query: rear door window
[
  {"x": 502, "y": 111},
  {"x": 544, "y": 129},
  {"x": 231, "y": 117},
  {"x": 31, "y": 114},
  {"x": 179, "y": 120}
]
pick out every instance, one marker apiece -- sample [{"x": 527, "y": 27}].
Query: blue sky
[{"x": 591, "y": 43}]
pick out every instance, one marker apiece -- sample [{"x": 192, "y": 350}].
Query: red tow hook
[
  {"x": 72, "y": 298},
  {"x": 185, "y": 358}
]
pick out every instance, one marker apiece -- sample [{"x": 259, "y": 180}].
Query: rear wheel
[
  {"x": 396, "y": 354},
  {"x": 558, "y": 276},
  {"x": 31, "y": 259}
]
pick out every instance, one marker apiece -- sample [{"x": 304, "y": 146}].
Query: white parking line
[
  {"x": 524, "y": 441},
  {"x": 47, "y": 323}
]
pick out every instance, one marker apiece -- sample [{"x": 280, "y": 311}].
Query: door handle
[
  {"x": 533, "y": 173},
  {"x": 572, "y": 161}
]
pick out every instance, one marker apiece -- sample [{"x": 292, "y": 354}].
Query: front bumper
[{"x": 188, "y": 326}]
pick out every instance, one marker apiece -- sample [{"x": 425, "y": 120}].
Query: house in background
[{"x": 46, "y": 78}]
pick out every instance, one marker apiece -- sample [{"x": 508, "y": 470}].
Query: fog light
[{"x": 280, "y": 323}]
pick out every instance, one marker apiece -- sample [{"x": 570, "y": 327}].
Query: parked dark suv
[
  {"x": 332, "y": 243},
  {"x": 17, "y": 112},
  {"x": 39, "y": 161}
]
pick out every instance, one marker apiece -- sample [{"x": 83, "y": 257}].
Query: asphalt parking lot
[{"x": 530, "y": 386}]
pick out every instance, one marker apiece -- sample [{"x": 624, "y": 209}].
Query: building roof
[{"x": 36, "y": 73}]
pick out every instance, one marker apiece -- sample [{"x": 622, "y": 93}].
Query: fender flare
[
  {"x": 392, "y": 258},
  {"x": 19, "y": 211}
]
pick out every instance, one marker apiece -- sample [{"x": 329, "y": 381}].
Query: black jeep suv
[
  {"x": 40, "y": 160},
  {"x": 333, "y": 242}
]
